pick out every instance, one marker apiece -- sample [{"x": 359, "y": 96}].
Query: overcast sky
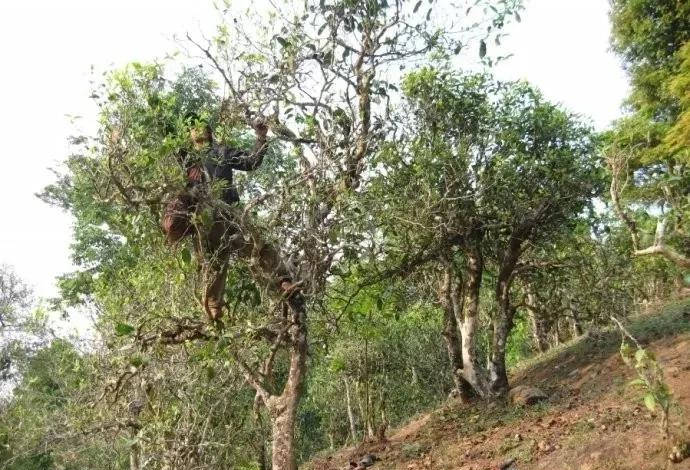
[{"x": 48, "y": 47}]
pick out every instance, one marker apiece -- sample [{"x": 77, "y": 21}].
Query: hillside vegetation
[
  {"x": 326, "y": 217},
  {"x": 592, "y": 419}
]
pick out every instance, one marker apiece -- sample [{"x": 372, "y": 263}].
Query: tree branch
[
  {"x": 660, "y": 248},
  {"x": 617, "y": 163}
]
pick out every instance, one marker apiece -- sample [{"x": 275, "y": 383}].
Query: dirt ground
[{"x": 593, "y": 420}]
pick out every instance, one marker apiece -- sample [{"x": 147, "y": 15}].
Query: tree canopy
[{"x": 409, "y": 231}]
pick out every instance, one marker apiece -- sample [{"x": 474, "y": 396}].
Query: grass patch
[
  {"x": 554, "y": 365},
  {"x": 483, "y": 417},
  {"x": 673, "y": 319},
  {"x": 414, "y": 450}
]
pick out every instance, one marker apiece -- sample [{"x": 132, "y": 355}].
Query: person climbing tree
[{"x": 206, "y": 166}]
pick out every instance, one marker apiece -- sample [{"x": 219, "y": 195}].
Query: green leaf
[
  {"x": 517, "y": 17},
  {"x": 123, "y": 329},
  {"x": 328, "y": 58},
  {"x": 650, "y": 402},
  {"x": 283, "y": 42},
  {"x": 186, "y": 256},
  {"x": 416, "y": 7},
  {"x": 136, "y": 360},
  {"x": 482, "y": 49},
  {"x": 637, "y": 382}
]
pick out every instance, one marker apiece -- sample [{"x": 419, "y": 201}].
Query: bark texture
[
  {"x": 468, "y": 320},
  {"x": 452, "y": 335},
  {"x": 503, "y": 318},
  {"x": 538, "y": 322},
  {"x": 350, "y": 411}
]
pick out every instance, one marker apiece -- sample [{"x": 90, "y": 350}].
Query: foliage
[
  {"x": 651, "y": 378},
  {"x": 313, "y": 74},
  {"x": 646, "y": 151},
  {"x": 54, "y": 382},
  {"x": 22, "y": 327},
  {"x": 388, "y": 169}
]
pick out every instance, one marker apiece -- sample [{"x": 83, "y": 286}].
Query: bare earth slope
[{"x": 592, "y": 420}]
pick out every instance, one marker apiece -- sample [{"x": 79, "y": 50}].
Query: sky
[{"x": 47, "y": 49}]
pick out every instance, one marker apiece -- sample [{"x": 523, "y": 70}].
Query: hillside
[{"x": 593, "y": 418}]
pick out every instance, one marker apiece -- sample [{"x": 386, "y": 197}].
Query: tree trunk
[
  {"x": 283, "y": 409},
  {"x": 370, "y": 422},
  {"x": 576, "y": 322},
  {"x": 283, "y": 423},
  {"x": 467, "y": 319},
  {"x": 503, "y": 318},
  {"x": 498, "y": 376},
  {"x": 381, "y": 430},
  {"x": 364, "y": 408},
  {"x": 369, "y": 411},
  {"x": 451, "y": 336},
  {"x": 350, "y": 411},
  {"x": 539, "y": 330}
]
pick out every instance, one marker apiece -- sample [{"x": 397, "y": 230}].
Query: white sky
[{"x": 47, "y": 48}]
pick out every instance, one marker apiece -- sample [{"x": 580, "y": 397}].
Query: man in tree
[
  {"x": 210, "y": 163},
  {"x": 207, "y": 164}
]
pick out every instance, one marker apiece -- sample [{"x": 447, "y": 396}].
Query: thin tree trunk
[
  {"x": 381, "y": 430},
  {"x": 136, "y": 406},
  {"x": 451, "y": 336},
  {"x": 467, "y": 319},
  {"x": 561, "y": 331},
  {"x": 503, "y": 319},
  {"x": 576, "y": 322},
  {"x": 363, "y": 404},
  {"x": 350, "y": 412},
  {"x": 539, "y": 330},
  {"x": 368, "y": 417}
]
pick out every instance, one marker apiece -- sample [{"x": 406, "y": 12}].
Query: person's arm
[{"x": 243, "y": 160}]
